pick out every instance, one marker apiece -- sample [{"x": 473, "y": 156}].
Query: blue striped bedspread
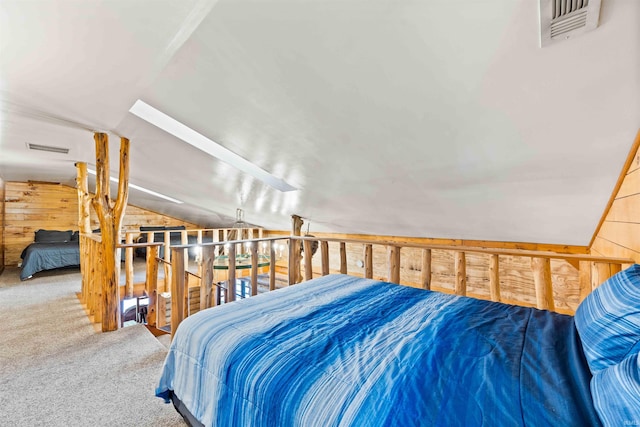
[{"x": 347, "y": 351}]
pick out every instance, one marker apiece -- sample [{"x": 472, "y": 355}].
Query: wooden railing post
[
  {"x": 128, "y": 266},
  {"x": 324, "y": 252},
  {"x": 151, "y": 285},
  {"x": 541, "y": 268},
  {"x": 231, "y": 282},
  {"x": 494, "y": 277},
  {"x": 368, "y": 261},
  {"x": 293, "y": 274},
  {"x": 199, "y": 258},
  {"x": 308, "y": 266},
  {"x": 84, "y": 226},
  {"x": 296, "y": 225},
  {"x": 343, "y": 258},
  {"x": 207, "y": 297},
  {"x": 584, "y": 278},
  {"x": 177, "y": 290},
  {"x": 394, "y": 264},
  {"x": 167, "y": 259},
  {"x": 461, "y": 273},
  {"x": 254, "y": 268},
  {"x": 272, "y": 266},
  {"x": 425, "y": 274}
]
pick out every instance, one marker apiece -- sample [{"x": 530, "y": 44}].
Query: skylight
[
  {"x": 201, "y": 142},
  {"x": 144, "y": 190}
]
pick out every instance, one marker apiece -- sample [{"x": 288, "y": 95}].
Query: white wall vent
[
  {"x": 49, "y": 148},
  {"x": 564, "y": 19}
]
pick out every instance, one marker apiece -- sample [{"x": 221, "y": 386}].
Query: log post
[
  {"x": 231, "y": 281},
  {"x": 128, "y": 266},
  {"x": 343, "y": 258},
  {"x": 206, "y": 278},
  {"x": 368, "y": 261},
  {"x": 84, "y": 225},
  {"x": 167, "y": 258},
  {"x": 177, "y": 290},
  {"x": 254, "y": 268},
  {"x": 293, "y": 274},
  {"x": 324, "y": 252},
  {"x": 541, "y": 268},
  {"x": 110, "y": 216},
  {"x": 584, "y": 278},
  {"x": 425, "y": 272},
  {"x": 199, "y": 256},
  {"x": 151, "y": 285},
  {"x": 308, "y": 266},
  {"x": 494, "y": 277},
  {"x": 394, "y": 264},
  {"x": 461, "y": 273},
  {"x": 272, "y": 266},
  {"x": 296, "y": 223}
]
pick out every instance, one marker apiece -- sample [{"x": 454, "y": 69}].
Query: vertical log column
[
  {"x": 272, "y": 265},
  {"x": 394, "y": 264},
  {"x": 128, "y": 266},
  {"x": 308, "y": 266},
  {"x": 494, "y": 277},
  {"x": 541, "y": 268},
  {"x": 167, "y": 259},
  {"x": 254, "y": 268},
  {"x": 151, "y": 285},
  {"x": 425, "y": 274},
  {"x": 296, "y": 224},
  {"x": 84, "y": 227},
  {"x": 231, "y": 281},
  {"x": 110, "y": 216},
  {"x": 178, "y": 290},
  {"x": 324, "y": 252},
  {"x": 584, "y": 275},
  {"x": 368, "y": 261},
  {"x": 461, "y": 273},
  {"x": 343, "y": 258},
  {"x": 208, "y": 298}
]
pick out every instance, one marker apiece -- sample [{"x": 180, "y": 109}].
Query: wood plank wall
[
  {"x": 516, "y": 278},
  {"x": 2, "y": 186},
  {"x": 33, "y": 206},
  {"x": 619, "y": 234}
]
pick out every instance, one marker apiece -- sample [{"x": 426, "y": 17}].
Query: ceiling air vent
[
  {"x": 563, "y": 19},
  {"x": 49, "y": 148}
]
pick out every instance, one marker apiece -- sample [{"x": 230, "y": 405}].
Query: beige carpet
[{"x": 56, "y": 370}]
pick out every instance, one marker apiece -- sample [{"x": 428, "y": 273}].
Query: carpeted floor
[{"x": 56, "y": 370}]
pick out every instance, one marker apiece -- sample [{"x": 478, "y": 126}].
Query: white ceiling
[{"x": 434, "y": 118}]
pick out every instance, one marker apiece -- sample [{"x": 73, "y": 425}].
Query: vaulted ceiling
[{"x": 433, "y": 118}]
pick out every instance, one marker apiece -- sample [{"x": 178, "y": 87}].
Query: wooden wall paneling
[
  {"x": 617, "y": 232},
  {"x": 33, "y": 206}
]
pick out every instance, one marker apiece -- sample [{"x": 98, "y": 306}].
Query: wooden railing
[
  {"x": 593, "y": 270},
  {"x": 215, "y": 234},
  {"x": 91, "y": 258}
]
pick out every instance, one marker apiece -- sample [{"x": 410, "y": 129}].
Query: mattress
[
  {"x": 39, "y": 257},
  {"x": 347, "y": 351}
]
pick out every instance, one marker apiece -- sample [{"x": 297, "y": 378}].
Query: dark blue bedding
[
  {"x": 39, "y": 257},
  {"x": 346, "y": 351}
]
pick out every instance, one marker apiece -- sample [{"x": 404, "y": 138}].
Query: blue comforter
[
  {"x": 39, "y": 257},
  {"x": 346, "y": 351}
]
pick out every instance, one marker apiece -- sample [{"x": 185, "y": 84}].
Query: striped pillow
[
  {"x": 608, "y": 320},
  {"x": 616, "y": 392}
]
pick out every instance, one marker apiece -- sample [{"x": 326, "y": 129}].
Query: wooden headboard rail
[{"x": 593, "y": 270}]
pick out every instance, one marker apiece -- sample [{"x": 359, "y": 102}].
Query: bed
[
  {"x": 346, "y": 351},
  {"x": 51, "y": 249}
]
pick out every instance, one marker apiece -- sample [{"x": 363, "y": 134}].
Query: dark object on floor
[{"x": 134, "y": 309}]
